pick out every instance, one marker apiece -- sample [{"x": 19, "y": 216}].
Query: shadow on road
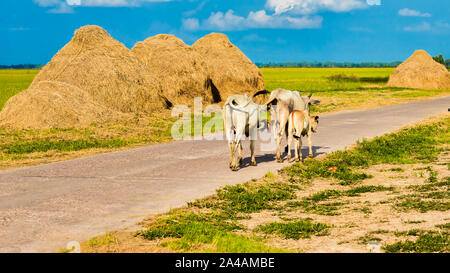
[{"x": 246, "y": 162}]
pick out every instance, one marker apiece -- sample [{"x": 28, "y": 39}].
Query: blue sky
[{"x": 32, "y": 31}]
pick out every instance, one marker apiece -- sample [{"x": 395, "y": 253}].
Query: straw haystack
[
  {"x": 420, "y": 71},
  {"x": 230, "y": 71},
  {"x": 180, "y": 68},
  {"x": 95, "y": 78},
  {"x": 92, "y": 78},
  {"x": 54, "y": 104}
]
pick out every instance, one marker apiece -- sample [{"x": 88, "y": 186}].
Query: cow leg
[
  {"x": 289, "y": 140},
  {"x": 239, "y": 161},
  {"x": 298, "y": 149},
  {"x": 283, "y": 119},
  {"x": 310, "y": 145},
  {"x": 252, "y": 150},
  {"x": 231, "y": 146},
  {"x": 237, "y": 144},
  {"x": 233, "y": 159}
]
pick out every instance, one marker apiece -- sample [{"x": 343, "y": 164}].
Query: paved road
[{"x": 44, "y": 207}]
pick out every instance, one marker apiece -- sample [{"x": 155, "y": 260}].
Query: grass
[
  {"x": 316, "y": 204},
  {"x": 248, "y": 197},
  {"x": 425, "y": 141},
  {"x": 210, "y": 232},
  {"x": 14, "y": 81},
  {"x": 323, "y": 79},
  {"x": 426, "y": 242},
  {"x": 295, "y": 230},
  {"x": 106, "y": 239},
  {"x": 431, "y": 196}
]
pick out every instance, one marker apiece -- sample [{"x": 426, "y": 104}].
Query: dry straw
[
  {"x": 95, "y": 78},
  {"x": 420, "y": 71}
]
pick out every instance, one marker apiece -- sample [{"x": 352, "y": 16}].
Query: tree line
[
  {"x": 440, "y": 59},
  {"x": 329, "y": 64},
  {"x": 21, "y": 66}
]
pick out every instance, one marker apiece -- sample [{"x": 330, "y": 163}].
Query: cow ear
[{"x": 316, "y": 118}]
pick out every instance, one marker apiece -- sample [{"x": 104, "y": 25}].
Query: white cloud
[
  {"x": 255, "y": 19},
  {"x": 418, "y": 28},
  {"x": 438, "y": 27},
  {"x": 61, "y": 4},
  {"x": 62, "y": 8},
  {"x": 312, "y": 6},
  {"x": 191, "y": 24},
  {"x": 254, "y": 38},
  {"x": 411, "y": 12}
]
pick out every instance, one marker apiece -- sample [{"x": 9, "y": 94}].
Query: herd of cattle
[{"x": 290, "y": 116}]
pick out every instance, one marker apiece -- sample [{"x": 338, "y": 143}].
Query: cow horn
[{"x": 262, "y": 92}]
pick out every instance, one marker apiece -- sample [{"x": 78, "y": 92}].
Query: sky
[{"x": 32, "y": 31}]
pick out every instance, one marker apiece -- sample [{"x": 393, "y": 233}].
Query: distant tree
[
  {"x": 447, "y": 63},
  {"x": 439, "y": 59}
]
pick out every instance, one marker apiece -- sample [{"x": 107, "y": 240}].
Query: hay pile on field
[
  {"x": 92, "y": 78},
  {"x": 95, "y": 78},
  {"x": 230, "y": 71},
  {"x": 181, "y": 70},
  {"x": 420, "y": 71}
]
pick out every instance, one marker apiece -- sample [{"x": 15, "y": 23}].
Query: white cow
[
  {"x": 241, "y": 116},
  {"x": 286, "y": 102},
  {"x": 300, "y": 124}
]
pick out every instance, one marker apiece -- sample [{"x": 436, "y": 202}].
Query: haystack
[
  {"x": 95, "y": 78},
  {"x": 230, "y": 71},
  {"x": 420, "y": 71},
  {"x": 54, "y": 104},
  {"x": 180, "y": 68},
  {"x": 93, "y": 70}
]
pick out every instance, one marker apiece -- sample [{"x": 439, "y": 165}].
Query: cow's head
[{"x": 308, "y": 101}]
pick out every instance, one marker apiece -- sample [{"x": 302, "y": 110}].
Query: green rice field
[
  {"x": 324, "y": 79},
  {"x": 14, "y": 81}
]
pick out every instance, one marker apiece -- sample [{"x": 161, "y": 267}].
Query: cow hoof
[
  {"x": 240, "y": 161},
  {"x": 253, "y": 163},
  {"x": 279, "y": 160},
  {"x": 310, "y": 156},
  {"x": 234, "y": 169},
  {"x": 288, "y": 158}
]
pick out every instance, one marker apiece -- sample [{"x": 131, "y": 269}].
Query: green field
[
  {"x": 14, "y": 81},
  {"x": 318, "y": 79}
]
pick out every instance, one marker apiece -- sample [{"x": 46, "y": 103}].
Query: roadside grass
[
  {"x": 431, "y": 196},
  {"x": 107, "y": 239},
  {"x": 426, "y": 242},
  {"x": 18, "y": 147},
  {"x": 295, "y": 230},
  {"x": 317, "y": 202},
  {"x": 417, "y": 144},
  {"x": 248, "y": 197},
  {"x": 203, "y": 232}
]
